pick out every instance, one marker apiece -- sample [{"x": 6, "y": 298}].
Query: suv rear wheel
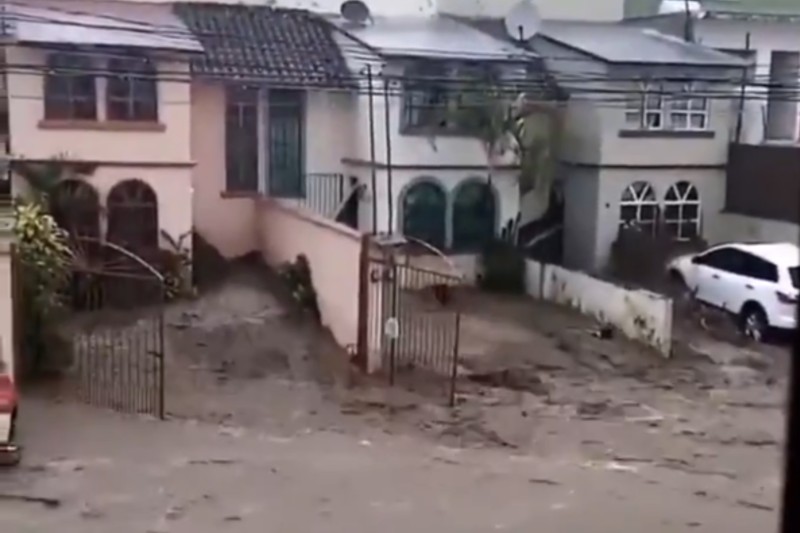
[{"x": 754, "y": 322}]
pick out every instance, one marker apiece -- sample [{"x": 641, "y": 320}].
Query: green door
[
  {"x": 474, "y": 216},
  {"x": 424, "y": 207},
  {"x": 285, "y": 124}
]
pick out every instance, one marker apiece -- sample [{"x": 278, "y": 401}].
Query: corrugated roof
[
  {"x": 286, "y": 46},
  {"x": 99, "y": 23},
  {"x": 434, "y": 38},
  {"x": 615, "y": 43}
]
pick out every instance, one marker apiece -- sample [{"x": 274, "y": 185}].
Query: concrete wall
[
  {"x": 641, "y": 315},
  {"x": 581, "y": 204},
  {"x": 333, "y": 251},
  {"x": 730, "y": 227},
  {"x": 6, "y": 305},
  {"x": 166, "y": 142}
]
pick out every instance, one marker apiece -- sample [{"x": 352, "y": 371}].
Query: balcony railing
[{"x": 324, "y": 193}]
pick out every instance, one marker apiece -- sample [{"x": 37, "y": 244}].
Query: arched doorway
[
  {"x": 424, "y": 206},
  {"x": 133, "y": 216},
  {"x": 474, "y": 215}
]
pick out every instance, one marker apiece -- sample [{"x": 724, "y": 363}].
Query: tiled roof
[{"x": 289, "y": 47}]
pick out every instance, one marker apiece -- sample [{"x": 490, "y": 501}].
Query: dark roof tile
[{"x": 282, "y": 46}]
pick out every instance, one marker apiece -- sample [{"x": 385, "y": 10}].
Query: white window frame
[
  {"x": 641, "y": 195},
  {"x": 680, "y": 200},
  {"x": 653, "y": 108},
  {"x": 692, "y": 104}
]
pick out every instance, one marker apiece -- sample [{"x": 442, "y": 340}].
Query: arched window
[
  {"x": 474, "y": 215},
  {"x": 638, "y": 207},
  {"x": 424, "y": 205},
  {"x": 133, "y": 216},
  {"x": 75, "y": 206},
  {"x": 682, "y": 211}
]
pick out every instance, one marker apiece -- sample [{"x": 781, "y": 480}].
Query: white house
[
  {"x": 648, "y": 125},
  {"x": 765, "y": 33},
  {"x": 428, "y": 173}
]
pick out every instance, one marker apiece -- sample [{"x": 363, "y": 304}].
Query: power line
[
  {"x": 508, "y": 87},
  {"x": 513, "y": 85}
]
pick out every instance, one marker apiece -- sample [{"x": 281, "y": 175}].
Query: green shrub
[
  {"x": 502, "y": 268},
  {"x": 44, "y": 258}
]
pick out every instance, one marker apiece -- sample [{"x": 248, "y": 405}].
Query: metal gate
[
  {"x": 413, "y": 323},
  {"x": 117, "y": 329}
]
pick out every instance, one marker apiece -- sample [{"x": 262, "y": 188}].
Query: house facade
[
  {"x": 103, "y": 90},
  {"x": 272, "y": 97},
  {"x": 646, "y": 133},
  {"x": 767, "y": 34},
  {"x": 429, "y": 169}
]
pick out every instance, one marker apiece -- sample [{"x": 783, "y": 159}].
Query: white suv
[{"x": 757, "y": 282}]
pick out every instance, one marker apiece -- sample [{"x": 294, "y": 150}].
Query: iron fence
[
  {"x": 118, "y": 360},
  {"x": 412, "y": 322},
  {"x": 116, "y": 332}
]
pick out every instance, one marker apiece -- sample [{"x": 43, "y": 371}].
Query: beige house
[
  {"x": 648, "y": 123},
  {"x": 647, "y": 133},
  {"x": 103, "y": 87}
]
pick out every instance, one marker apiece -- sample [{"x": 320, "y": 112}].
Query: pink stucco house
[
  {"x": 167, "y": 104},
  {"x": 104, "y": 87}
]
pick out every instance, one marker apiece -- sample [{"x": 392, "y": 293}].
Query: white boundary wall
[{"x": 641, "y": 315}]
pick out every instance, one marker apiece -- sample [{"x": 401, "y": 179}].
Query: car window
[
  {"x": 758, "y": 268},
  {"x": 727, "y": 259},
  {"x": 794, "y": 273}
]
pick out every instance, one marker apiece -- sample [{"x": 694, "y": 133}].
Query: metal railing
[{"x": 324, "y": 193}]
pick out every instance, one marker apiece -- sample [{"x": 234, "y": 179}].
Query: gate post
[
  {"x": 362, "y": 342},
  {"x": 9, "y": 316}
]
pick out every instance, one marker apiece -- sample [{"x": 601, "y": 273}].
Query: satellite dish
[
  {"x": 355, "y": 11},
  {"x": 523, "y": 21}
]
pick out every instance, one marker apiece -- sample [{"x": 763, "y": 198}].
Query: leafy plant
[
  {"x": 297, "y": 275},
  {"x": 176, "y": 266},
  {"x": 505, "y": 120},
  {"x": 44, "y": 255}
]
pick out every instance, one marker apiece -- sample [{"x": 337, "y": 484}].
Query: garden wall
[
  {"x": 333, "y": 251},
  {"x": 641, "y": 315}
]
